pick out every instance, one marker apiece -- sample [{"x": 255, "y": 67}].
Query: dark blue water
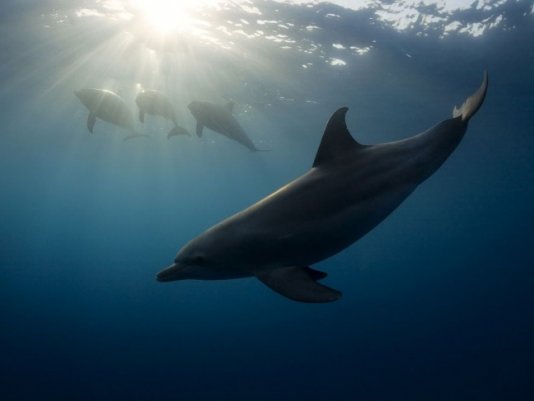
[{"x": 437, "y": 300}]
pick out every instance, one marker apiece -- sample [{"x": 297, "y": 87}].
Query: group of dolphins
[
  {"x": 110, "y": 107},
  {"x": 349, "y": 190}
]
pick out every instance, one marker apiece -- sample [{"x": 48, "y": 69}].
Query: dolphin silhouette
[
  {"x": 349, "y": 190},
  {"x": 109, "y": 107},
  {"x": 219, "y": 118},
  {"x": 156, "y": 103}
]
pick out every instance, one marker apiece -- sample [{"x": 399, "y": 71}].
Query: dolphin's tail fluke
[
  {"x": 177, "y": 130},
  {"x": 473, "y": 102}
]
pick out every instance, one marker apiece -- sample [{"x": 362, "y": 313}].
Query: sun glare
[{"x": 167, "y": 16}]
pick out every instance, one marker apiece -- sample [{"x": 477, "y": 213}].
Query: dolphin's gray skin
[
  {"x": 219, "y": 118},
  {"x": 156, "y": 103},
  {"x": 349, "y": 190},
  {"x": 109, "y": 107}
]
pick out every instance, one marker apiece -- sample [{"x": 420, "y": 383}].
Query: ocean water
[{"x": 437, "y": 300}]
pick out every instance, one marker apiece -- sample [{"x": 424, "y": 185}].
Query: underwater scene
[{"x": 286, "y": 200}]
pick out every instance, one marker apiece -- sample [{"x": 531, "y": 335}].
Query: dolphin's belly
[{"x": 114, "y": 111}]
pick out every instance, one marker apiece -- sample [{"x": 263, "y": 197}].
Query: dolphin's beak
[{"x": 170, "y": 273}]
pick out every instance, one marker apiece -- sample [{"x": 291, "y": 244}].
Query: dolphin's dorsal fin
[
  {"x": 230, "y": 106},
  {"x": 336, "y": 139},
  {"x": 91, "y": 120},
  {"x": 299, "y": 284}
]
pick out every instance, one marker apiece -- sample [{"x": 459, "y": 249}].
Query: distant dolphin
[
  {"x": 219, "y": 118},
  {"x": 108, "y": 106},
  {"x": 156, "y": 103},
  {"x": 349, "y": 190}
]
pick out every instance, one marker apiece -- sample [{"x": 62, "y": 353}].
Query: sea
[{"x": 438, "y": 300}]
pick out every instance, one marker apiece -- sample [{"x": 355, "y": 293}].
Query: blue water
[{"x": 437, "y": 300}]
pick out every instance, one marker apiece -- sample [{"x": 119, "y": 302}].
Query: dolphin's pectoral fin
[
  {"x": 200, "y": 127},
  {"x": 91, "y": 120},
  {"x": 299, "y": 284},
  {"x": 336, "y": 139},
  {"x": 141, "y": 116},
  {"x": 315, "y": 274}
]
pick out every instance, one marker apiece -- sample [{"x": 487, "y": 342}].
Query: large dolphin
[
  {"x": 349, "y": 190},
  {"x": 219, "y": 118},
  {"x": 109, "y": 107},
  {"x": 156, "y": 103}
]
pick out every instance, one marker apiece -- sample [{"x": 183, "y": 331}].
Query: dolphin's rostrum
[{"x": 349, "y": 190}]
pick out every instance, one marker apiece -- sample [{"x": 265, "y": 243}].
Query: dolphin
[
  {"x": 219, "y": 118},
  {"x": 349, "y": 190},
  {"x": 108, "y": 106},
  {"x": 156, "y": 103}
]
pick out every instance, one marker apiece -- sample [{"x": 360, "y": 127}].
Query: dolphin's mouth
[{"x": 170, "y": 273}]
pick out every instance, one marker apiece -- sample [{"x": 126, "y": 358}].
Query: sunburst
[{"x": 168, "y": 16}]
